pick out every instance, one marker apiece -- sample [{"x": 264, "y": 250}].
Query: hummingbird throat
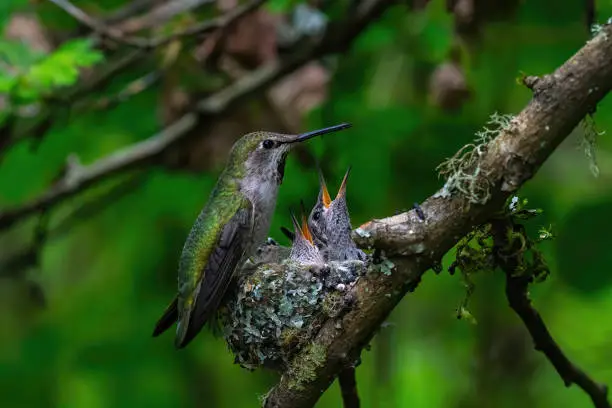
[{"x": 280, "y": 169}]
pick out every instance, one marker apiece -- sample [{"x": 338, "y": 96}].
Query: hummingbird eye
[{"x": 268, "y": 144}]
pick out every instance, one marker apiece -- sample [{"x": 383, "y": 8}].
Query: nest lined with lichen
[{"x": 275, "y": 308}]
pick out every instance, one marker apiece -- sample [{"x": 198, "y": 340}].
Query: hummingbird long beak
[
  {"x": 342, "y": 189},
  {"x": 314, "y": 133}
]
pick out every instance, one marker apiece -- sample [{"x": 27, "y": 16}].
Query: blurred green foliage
[
  {"x": 108, "y": 277},
  {"x": 35, "y": 75}
]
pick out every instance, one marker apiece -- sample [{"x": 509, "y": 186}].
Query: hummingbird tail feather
[
  {"x": 169, "y": 317},
  {"x": 192, "y": 322}
]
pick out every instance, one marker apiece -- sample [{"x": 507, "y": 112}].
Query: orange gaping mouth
[
  {"x": 325, "y": 193},
  {"x": 305, "y": 230},
  {"x": 342, "y": 189}
]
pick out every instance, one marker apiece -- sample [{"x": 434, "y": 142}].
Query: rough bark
[{"x": 560, "y": 101}]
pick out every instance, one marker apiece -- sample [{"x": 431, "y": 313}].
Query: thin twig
[
  {"x": 78, "y": 178},
  {"x": 150, "y": 43},
  {"x": 88, "y": 21},
  {"x": 104, "y": 76},
  {"x": 14, "y": 265},
  {"x": 132, "y": 89},
  {"x": 517, "y": 293},
  {"x": 55, "y": 103},
  {"x": 62, "y": 101},
  {"x": 148, "y": 150},
  {"x": 161, "y": 13},
  {"x": 127, "y": 11},
  {"x": 348, "y": 387}
]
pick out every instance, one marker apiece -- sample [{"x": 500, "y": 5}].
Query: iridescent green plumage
[{"x": 215, "y": 245}]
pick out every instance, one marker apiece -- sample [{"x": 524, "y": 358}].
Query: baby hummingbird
[
  {"x": 303, "y": 248},
  {"x": 233, "y": 224},
  {"x": 330, "y": 224}
]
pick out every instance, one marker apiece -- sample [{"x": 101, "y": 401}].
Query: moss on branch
[{"x": 415, "y": 242}]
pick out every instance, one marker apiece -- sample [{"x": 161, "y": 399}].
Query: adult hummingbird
[
  {"x": 235, "y": 221},
  {"x": 330, "y": 224}
]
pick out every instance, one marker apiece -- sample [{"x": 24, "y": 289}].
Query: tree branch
[
  {"x": 15, "y": 265},
  {"x": 66, "y": 98},
  {"x": 412, "y": 246},
  {"x": 517, "y": 285},
  {"x": 160, "y": 14},
  {"x": 348, "y": 387},
  {"x": 149, "y": 43},
  {"x": 131, "y": 9},
  {"x": 78, "y": 178}
]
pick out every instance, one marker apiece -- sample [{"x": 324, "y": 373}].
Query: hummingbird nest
[{"x": 276, "y": 308}]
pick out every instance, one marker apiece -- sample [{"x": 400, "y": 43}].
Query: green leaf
[
  {"x": 376, "y": 37},
  {"x": 7, "y": 83},
  {"x": 58, "y": 69}
]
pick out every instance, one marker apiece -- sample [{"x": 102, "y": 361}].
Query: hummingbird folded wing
[
  {"x": 169, "y": 317},
  {"x": 201, "y": 304}
]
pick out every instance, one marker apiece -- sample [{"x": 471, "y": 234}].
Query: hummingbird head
[
  {"x": 263, "y": 154},
  {"x": 303, "y": 248}
]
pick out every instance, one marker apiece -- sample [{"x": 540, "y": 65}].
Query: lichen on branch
[
  {"x": 588, "y": 143},
  {"x": 560, "y": 101},
  {"x": 477, "y": 253},
  {"x": 463, "y": 171}
]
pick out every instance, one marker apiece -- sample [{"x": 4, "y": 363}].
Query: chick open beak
[
  {"x": 302, "y": 229},
  {"x": 342, "y": 189},
  {"x": 324, "y": 195},
  {"x": 305, "y": 230}
]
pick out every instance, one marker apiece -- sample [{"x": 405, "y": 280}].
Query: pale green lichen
[
  {"x": 598, "y": 28},
  {"x": 475, "y": 253},
  {"x": 305, "y": 368},
  {"x": 332, "y": 304},
  {"x": 463, "y": 173},
  {"x": 545, "y": 233},
  {"x": 387, "y": 266},
  {"x": 274, "y": 308},
  {"x": 588, "y": 143},
  {"x": 362, "y": 233},
  {"x": 464, "y": 314}
]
